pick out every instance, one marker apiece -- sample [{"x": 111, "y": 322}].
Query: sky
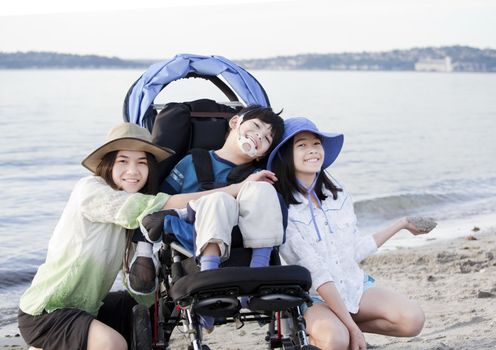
[{"x": 239, "y": 29}]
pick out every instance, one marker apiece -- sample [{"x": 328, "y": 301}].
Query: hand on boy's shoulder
[{"x": 263, "y": 175}]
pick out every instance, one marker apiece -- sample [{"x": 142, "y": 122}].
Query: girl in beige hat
[{"x": 68, "y": 305}]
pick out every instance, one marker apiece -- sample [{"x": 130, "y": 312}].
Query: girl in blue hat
[{"x": 322, "y": 236}]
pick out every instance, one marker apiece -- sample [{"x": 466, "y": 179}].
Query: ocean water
[{"x": 415, "y": 143}]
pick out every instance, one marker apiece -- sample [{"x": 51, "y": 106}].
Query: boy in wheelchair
[
  {"x": 207, "y": 205},
  {"x": 204, "y": 225}
]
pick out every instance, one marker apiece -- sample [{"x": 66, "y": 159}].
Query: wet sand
[{"x": 454, "y": 282}]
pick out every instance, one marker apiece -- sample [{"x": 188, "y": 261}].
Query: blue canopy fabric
[{"x": 145, "y": 90}]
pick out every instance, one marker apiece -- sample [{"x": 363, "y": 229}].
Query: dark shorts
[{"x": 68, "y": 328}]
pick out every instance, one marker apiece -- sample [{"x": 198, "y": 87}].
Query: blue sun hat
[{"x": 331, "y": 142}]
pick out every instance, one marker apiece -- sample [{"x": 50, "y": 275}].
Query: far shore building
[{"x": 434, "y": 65}]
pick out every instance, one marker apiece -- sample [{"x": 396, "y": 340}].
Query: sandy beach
[{"x": 454, "y": 281}]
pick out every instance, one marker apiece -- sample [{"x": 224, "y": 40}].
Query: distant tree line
[
  {"x": 30, "y": 60},
  {"x": 463, "y": 58}
]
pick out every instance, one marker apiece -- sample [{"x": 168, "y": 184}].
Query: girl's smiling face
[
  {"x": 308, "y": 155},
  {"x": 130, "y": 170}
]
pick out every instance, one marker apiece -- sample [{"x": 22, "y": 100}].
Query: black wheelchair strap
[
  {"x": 205, "y": 173},
  {"x": 203, "y": 168}
]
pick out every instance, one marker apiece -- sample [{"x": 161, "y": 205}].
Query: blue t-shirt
[{"x": 183, "y": 179}]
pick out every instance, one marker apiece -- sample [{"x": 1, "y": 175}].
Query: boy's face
[{"x": 258, "y": 132}]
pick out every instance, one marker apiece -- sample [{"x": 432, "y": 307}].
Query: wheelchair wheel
[
  {"x": 142, "y": 329},
  {"x": 287, "y": 344}
]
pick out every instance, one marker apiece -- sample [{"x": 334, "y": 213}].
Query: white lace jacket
[
  {"x": 336, "y": 256},
  {"x": 86, "y": 250}
]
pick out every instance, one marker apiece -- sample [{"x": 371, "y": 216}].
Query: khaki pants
[{"x": 256, "y": 210}]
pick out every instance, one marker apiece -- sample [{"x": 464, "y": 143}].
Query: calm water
[{"x": 414, "y": 143}]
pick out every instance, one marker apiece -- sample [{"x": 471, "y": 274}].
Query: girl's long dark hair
[
  {"x": 287, "y": 184},
  {"x": 104, "y": 170}
]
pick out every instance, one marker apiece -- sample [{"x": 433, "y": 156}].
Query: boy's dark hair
[
  {"x": 104, "y": 170},
  {"x": 268, "y": 116},
  {"x": 287, "y": 184}
]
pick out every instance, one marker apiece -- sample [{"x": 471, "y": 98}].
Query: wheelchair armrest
[{"x": 177, "y": 247}]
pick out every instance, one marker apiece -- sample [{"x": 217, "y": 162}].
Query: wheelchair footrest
[
  {"x": 248, "y": 281},
  {"x": 215, "y": 292}
]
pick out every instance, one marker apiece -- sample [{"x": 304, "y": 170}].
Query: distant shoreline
[
  {"x": 141, "y": 69},
  {"x": 438, "y": 59}
]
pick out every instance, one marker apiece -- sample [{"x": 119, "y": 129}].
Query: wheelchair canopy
[{"x": 138, "y": 104}]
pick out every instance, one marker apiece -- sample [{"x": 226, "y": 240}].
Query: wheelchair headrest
[{"x": 184, "y": 126}]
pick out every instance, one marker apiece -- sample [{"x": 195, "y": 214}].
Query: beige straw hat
[{"x": 126, "y": 137}]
